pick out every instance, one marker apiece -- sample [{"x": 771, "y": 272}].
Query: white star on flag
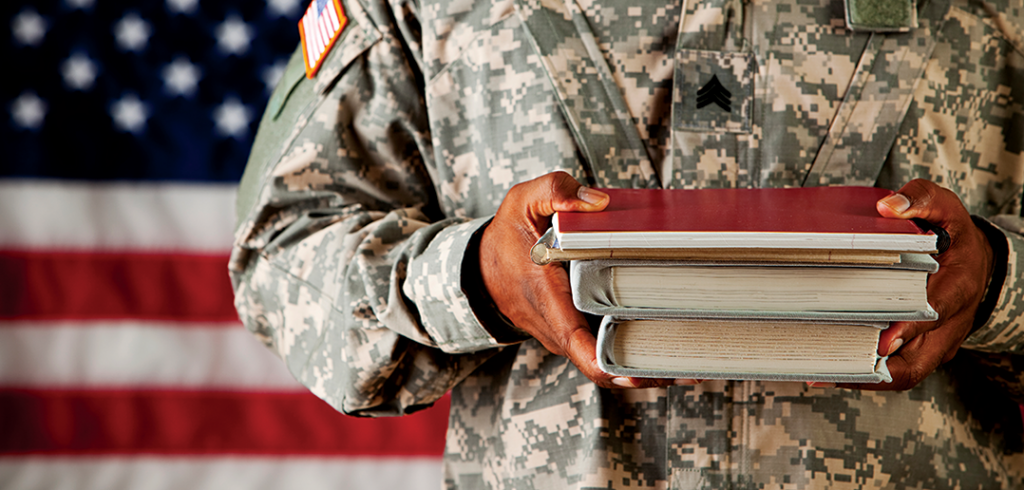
[
  {"x": 79, "y": 72},
  {"x": 272, "y": 74},
  {"x": 181, "y": 77},
  {"x": 282, "y": 7},
  {"x": 183, "y": 6},
  {"x": 129, "y": 114},
  {"x": 28, "y": 27},
  {"x": 232, "y": 118},
  {"x": 81, "y": 4},
  {"x": 132, "y": 33},
  {"x": 28, "y": 110},
  {"x": 234, "y": 36}
]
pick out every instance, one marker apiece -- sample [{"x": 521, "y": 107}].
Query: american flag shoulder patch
[{"x": 319, "y": 28}]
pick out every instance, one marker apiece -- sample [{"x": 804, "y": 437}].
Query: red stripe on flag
[
  {"x": 52, "y": 422},
  {"x": 92, "y": 286}
]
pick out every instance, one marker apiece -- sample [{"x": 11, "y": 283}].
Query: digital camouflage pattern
[{"x": 367, "y": 185}]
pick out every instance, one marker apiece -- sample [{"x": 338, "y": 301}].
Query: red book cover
[{"x": 807, "y": 217}]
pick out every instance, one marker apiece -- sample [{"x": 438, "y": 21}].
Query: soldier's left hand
[{"x": 916, "y": 349}]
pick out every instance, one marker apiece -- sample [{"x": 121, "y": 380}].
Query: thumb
[
  {"x": 921, "y": 199},
  {"x": 559, "y": 191}
]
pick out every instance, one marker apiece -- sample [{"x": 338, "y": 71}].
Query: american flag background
[{"x": 122, "y": 362}]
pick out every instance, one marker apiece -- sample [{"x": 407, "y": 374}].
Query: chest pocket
[{"x": 713, "y": 90}]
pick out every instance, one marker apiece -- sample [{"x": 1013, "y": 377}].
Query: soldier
[{"x": 392, "y": 196}]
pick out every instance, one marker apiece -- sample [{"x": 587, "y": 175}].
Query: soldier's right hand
[{"x": 537, "y": 299}]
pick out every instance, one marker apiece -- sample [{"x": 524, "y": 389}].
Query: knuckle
[
  {"x": 560, "y": 185},
  {"x": 917, "y": 369},
  {"x": 917, "y": 374},
  {"x": 567, "y": 342},
  {"x": 923, "y": 193},
  {"x": 950, "y": 355},
  {"x": 519, "y": 188},
  {"x": 554, "y": 189}
]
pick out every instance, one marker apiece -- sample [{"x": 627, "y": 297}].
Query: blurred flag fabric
[{"x": 122, "y": 362}]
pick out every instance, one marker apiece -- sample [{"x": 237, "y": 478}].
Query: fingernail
[
  {"x": 686, "y": 382},
  {"x": 623, "y": 382},
  {"x": 895, "y": 344},
  {"x": 591, "y": 196},
  {"x": 897, "y": 202},
  {"x": 819, "y": 384}
]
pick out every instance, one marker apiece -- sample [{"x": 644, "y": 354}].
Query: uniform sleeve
[
  {"x": 1003, "y": 329},
  {"x": 343, "y": 262},
  {"x": 1001, "y": 133}
]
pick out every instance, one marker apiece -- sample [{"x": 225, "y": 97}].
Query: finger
[
  {"x": 937, "y": 205},
  {"x": 566, "y": 332},
  {"x": 923, "y": 199},
  {"x": 559, "y": 191},
  {"x": 909, "y": 366},
  {"x": 581, "y": 349},
  {"x": 580, "y": 346},
  {"x": 634, "y": 382},
  {"x": 951, "y": 296},
  {"x": 644, "y": 383},
  {"x": 892, "y": 338},
  {"x": 551, "y": 318},
  {"x": 920, "y": 356}
]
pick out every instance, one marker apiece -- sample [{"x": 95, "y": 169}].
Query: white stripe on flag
[
  {"x": 219, "y": 473},
  {"x": 332, "y": 16},
  {"x": 310, "y": 58},
  {"x": 312, "y": 38},
  {"x": 314, "y": 24},
  {"x": 36, "y": 214},
  {"x": 324, "y": 35},
  {"x": 112, "y": 354}
]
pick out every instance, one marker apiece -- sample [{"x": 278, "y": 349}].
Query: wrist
[
  {"x": 996, "y": 241},
  {"x": 480, "y": 299}
]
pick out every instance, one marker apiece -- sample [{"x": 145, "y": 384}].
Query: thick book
[
  {"x": 809, "y": 218},
  {"x": 656, "y": 289},
  {"x": 739, "y": 348}
]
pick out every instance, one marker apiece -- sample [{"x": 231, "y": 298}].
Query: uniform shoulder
[{"x": 1006, "y": 16}]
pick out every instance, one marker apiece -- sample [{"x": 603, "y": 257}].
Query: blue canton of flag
[{"x": 166, "y": 90}]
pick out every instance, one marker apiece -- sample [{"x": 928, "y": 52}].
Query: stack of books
[{"x": 771, "y": 284}]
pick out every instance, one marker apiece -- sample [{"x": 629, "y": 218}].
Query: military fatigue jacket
[{"x": 368, "y": 184}]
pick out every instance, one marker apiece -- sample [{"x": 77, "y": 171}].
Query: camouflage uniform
[{"x": 368, "y": 185}]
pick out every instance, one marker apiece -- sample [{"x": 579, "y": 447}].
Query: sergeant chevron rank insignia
[
  {"x": 319, "y": 28},
  {"x": 714, "y": 91}
]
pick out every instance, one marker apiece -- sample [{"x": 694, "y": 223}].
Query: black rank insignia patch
[{"x": 713, "y": 91}]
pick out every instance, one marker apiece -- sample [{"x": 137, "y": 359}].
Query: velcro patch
[
  {"x": 713, "y": 91},
  {"x": 319, "y": 28}
]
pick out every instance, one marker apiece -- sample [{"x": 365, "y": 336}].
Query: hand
[
  {"x": 536, "y": 298},
  {"x": 955, "y": 291}
]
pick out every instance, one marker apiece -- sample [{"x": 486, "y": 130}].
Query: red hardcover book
[{"x": 834, "y": 218}]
